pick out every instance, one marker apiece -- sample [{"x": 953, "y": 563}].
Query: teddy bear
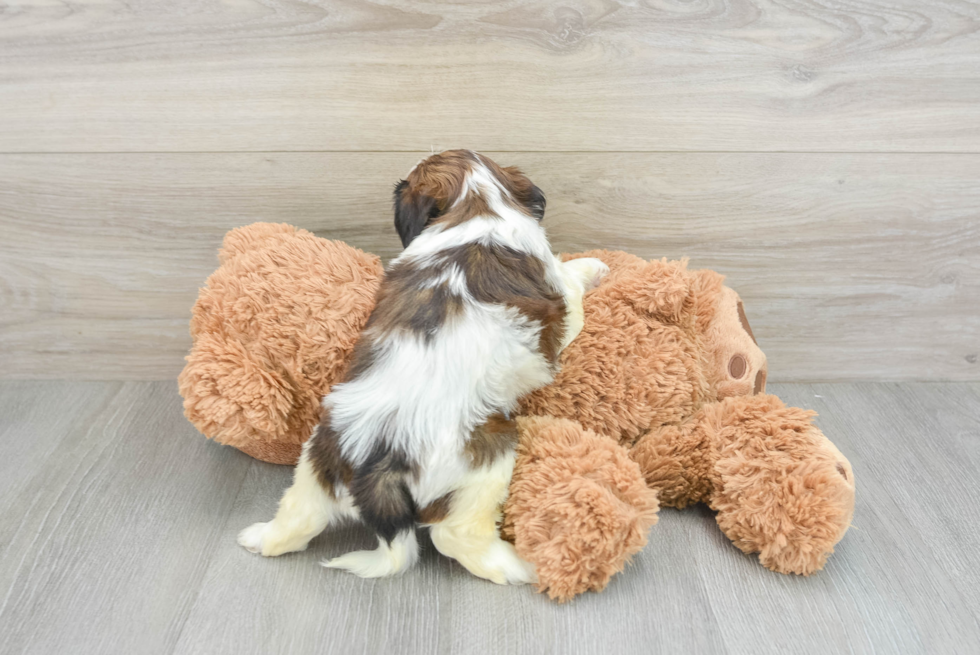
[{"x": 660, "y": 401}]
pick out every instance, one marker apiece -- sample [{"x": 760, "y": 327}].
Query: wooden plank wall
[{"x": 825, "y": 156}]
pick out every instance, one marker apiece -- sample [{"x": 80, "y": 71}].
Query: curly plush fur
[
  {"x": 661, "y": 395},
  {"x": 273, "y": 330},
  {"x": 779, "y": 486},
  {"x": 588, "y": 488}
]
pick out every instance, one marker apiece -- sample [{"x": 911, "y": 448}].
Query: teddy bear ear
[
  {"x": 660, "y": 288},
  {"x": 251, "y": 237}
]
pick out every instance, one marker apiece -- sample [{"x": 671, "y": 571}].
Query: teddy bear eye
[{"x": 737, "y": 366}]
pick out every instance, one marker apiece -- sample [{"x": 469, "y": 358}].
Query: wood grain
[
  {"x": 914, "y": 449},
  {"x": 37, "y": 418},
  {"x": 122, "y": 540},
  {"x": 856, "y": 266},
  {"x": 292, "y": 605},
  {"x": 104, "y": 544},
  {"x": 599, "y": 75}
]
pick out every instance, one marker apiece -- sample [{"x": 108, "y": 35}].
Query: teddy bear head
[
  {"x": 659, "y": 342},
  {"x": 736, "y": 366}
]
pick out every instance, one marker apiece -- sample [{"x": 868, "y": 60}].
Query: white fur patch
[
  {"x": 426, "y": 397},
  {"x": 383, "y": 561},
  {"x": 469, "y": 532},
  {"x": 305, "y": 510}
]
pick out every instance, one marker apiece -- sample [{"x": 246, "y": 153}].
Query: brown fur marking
[
  {"x": 488, "y": 441},
  {"x": 437, "y": 510},
  {"x": 435, "y": 188},
  {"x": 406, "y": 300},
  {"x": 329, "y": 465},
  {"x": 380, "y": 490},
  {"x": 500, "y": 275},
  {"x": 471, "y": 206},
  {"x": 441, "y": 177},
  {"x": 362, "y": 357}
]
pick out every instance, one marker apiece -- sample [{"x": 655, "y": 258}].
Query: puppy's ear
[
  {"x": 413, "y": 212},
  {"x": 536, "y": 202},
  {"x": 525, "y": 192}
]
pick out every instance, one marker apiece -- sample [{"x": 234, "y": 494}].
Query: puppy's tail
[
  {"x": 389, "y": 558},
  {"x": 385, "y": 504}
]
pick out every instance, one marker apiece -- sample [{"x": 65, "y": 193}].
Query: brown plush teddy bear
[{"x": 662, "y": 394}]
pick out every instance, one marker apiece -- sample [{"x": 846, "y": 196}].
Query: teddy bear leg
[
  {"x": 469, "y": 533},
  {"x": 788, "y": 496},
  {"x": 579, "y": 275},
  {"x": 305, "y": 510}
]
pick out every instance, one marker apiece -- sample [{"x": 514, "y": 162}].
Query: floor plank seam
[{"x": 211, "y": 559}]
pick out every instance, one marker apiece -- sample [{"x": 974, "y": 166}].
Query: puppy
[{"x": 471, "y": 316}]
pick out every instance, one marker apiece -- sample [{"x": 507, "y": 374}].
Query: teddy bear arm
[
  {"x": 578, "y": 507},
  {"x": 675, "y": 463}
]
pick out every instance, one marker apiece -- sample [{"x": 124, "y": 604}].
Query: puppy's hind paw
[
  {"x": 505, "y": 566},
  {"x": 251, "y": 537}
]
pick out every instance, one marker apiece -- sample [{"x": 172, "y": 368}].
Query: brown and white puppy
[{"x": 471, "y": 316}]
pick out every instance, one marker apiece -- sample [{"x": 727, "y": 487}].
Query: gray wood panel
[
  {"x": 104, "y": 545},
  {"x": 121, "y": 540},
  {"x": 851, "y": 266},
  {"x": 290, "y": 606},
  {"x": 334, "y": 75},
  {"x": 36, "y": 418}
]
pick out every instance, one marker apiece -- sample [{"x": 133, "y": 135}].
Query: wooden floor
[{"x": 118, "y": 523}]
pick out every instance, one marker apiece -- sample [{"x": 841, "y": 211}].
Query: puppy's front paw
[
  {"x": 251, "y": 537},
  {"x": 599, "y": 272},
  {"x": 589, "y": 270}
]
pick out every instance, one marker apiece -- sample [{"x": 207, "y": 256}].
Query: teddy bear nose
[
  {"x": 842, "y": 470},
  {"x": 760, "y": 382}
]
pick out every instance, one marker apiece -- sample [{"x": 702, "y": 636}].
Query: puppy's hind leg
[
  {"x": 304, "y": 512},
  {"x": 469, "y": 532},
  {"x": 385, "y": 504}
]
